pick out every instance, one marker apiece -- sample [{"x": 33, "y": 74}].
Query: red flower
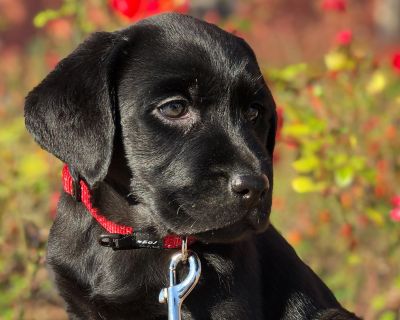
[
  {"x": 128, "y": 8},
  {"x": 276, "y": 158},
  {"x": 395, "y": 214},
  {"x": 396, "y": 201},
  {"x": 334, "y": 5},
  {"x": 344, "y": 37},
  {"x": 51, "y": 59},
  {"x": 346, "y": 230},
  {"x": 137, "y": 9},
  {"x": 396, "y": 62}
]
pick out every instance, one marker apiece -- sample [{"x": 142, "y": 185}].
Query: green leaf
[
  {"x": 306, "y": 164},
  {"x": 377, "y": 83},
  {"x": 318, "y": 90},
  {"x": 397, "y": 282},
  {"x": 296, "y": 130},
  {"x": 7, "y": 314},
  {"x": 293, "y": 71},
  {"x": 289, "y": 73},
  {"x": 305, "y": 184},
  {"x": 42, "y": 18},
  {"x": 316, "y": 125},
  {"x": 4, "y": 192},
  {"x": 388, "y": 315},
  {"x": 312, "y": 146},
  {"x": 354, "y": 259},
  {"x": 344, "y": 176},
  {"x": 357, "y": 163},
  {"x": 11, "y": 133},
  {"x": 378, "y": 302},
  {"x": 375, "y": 216},
  {"x": 353, "y": 141},
  {"x": 369, "y": 175},
  {"x": 243, "y": 25},
  {"x": 33, "y": 167},
  {"x": 340, "y": 159},
  {"x": 337, "y": 61}
]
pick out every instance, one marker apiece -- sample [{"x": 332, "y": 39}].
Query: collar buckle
[
  {"x": 135, "y": 240},
  {"x": 110, "y": 240}
]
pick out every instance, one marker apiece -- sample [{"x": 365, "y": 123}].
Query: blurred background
[{"x": 334, "y": 69}]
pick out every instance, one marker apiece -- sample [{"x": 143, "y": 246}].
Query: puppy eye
[
  {"x": 174, "y": 109},
  {"x": 253, "y": 112}
]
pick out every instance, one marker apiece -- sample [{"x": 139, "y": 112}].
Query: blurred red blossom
[
  {"x": 60, "y": 29},
  {"x": 51, "y": 59},
  {"x": 276, "y": 158},
  {"x": 324, "y": 216},
  {"x": 370, "y": 124},
  {"x": 128, "y": 8},
  {"x": 97, "y": 16},
  {"x": 395, "y": 214},
  {"x": 344, "y": 37},
  {"x": 212, "y": 16},
  {"x": 396, "y": 201},
  {"x": 396, "y": 61},
  {"x": 346, "y": 230},
  {"x": 137, "y": 9},
  {"x": 334, "y": 5},
  {"x": 391, "y": 132}
]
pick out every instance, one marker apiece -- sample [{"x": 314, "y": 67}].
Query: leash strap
[{"x": 120, "y": 237}]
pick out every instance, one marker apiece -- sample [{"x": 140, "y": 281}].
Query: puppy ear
[{"x": 71, "y": 112}]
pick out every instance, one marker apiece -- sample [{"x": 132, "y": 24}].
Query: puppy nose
[{"x": 250, "y": 187}]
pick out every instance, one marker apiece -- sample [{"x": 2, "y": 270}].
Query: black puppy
[{"x": 170, "y": 124}]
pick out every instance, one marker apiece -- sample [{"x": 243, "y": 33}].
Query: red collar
[{"x": 120, "y": 236}]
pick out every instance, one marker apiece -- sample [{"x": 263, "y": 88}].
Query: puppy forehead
[{"x": 180, "y": 46}]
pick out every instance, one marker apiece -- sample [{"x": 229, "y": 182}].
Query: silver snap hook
[{"x": 177, "y": 292}]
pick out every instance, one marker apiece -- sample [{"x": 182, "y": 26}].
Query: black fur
[{"x": 98, "y": 112}]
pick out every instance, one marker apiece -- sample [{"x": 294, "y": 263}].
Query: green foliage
[
  {"x": 341, "y": 126},
  {"x": 388, "y": 315},
  {"x": 339, "y": 166},
  {"x": 69, "y": 8}
]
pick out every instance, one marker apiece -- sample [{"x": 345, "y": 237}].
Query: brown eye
[
  {"x": 174, "y": 109},
  {"x": 252, "y": 112}
]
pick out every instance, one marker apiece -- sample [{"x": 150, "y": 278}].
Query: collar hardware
[
  {"x": 119, "y": 237},
  {"x": 126, "y": 242}
]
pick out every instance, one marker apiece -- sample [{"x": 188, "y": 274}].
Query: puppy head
[{"x": 197, "y": 123}]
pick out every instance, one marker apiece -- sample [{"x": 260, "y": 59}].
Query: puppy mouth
[
  {"x": 251, "y": 222},
  {"x": 235, "y": 231},
  {"x": 227, "y": 234}
]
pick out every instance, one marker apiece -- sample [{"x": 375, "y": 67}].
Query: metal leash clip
[{"x": 177, "y": 292}]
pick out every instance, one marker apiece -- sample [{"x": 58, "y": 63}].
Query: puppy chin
[
  {"x": 240, "y": 225},
  {"x": 237, "y": 231}
]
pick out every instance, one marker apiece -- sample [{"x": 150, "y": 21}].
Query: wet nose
[{"x": 250, "y": 188}]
